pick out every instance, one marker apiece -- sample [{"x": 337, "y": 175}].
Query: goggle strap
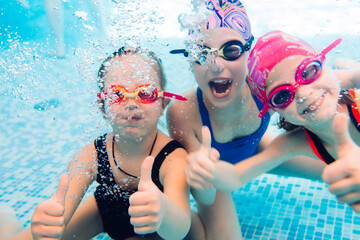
[
  {"x": 180, "y": 51},
  {"x": 172, "y": 95},
  {"x": 101, "y": 96},
  {"x": 263, "y": 111},
  {"x": 330, "y": 47}
]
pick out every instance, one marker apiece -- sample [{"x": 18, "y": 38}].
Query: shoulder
[
  {"x": 350, "y": 97},
  {"x": 174, "y": 161},
  {"x": 85, "y": 159},
  {"x": 182, "y": 109},
  {"x": 179, "y": 150},
  {"x": 87, "y": 152},
  {"x": 184, "y": 120}
]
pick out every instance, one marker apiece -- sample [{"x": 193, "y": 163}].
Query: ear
[{"x": 165, "y": 102}]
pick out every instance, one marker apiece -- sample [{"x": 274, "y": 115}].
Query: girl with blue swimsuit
[{"x": 223, "y": 102}]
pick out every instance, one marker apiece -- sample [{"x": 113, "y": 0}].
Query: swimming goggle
[
  {"x": 229, "y": 51},
  {"x": 307, "y": 72},
  {"x": 144, "y": 94}
]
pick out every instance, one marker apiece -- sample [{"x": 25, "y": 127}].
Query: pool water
[{"x": 48, "y": 112}]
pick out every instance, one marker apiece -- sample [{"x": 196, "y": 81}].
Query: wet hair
[
  {"x": 344, "y": 98},
  {"x": 148, "y": 55}
]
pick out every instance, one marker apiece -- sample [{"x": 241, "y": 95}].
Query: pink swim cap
[
  {"x": 268, "y": 51},
  {"x": 230, "y": 14}
]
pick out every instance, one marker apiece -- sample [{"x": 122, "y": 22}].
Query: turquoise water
[{"x": 48, "y": 113}]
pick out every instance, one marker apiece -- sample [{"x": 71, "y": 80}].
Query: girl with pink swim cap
[{"x": 290, "y": 77}]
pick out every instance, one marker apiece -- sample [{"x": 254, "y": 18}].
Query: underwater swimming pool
[{"x": 48, "y": 112}]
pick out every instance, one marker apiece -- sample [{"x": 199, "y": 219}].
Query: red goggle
[{"x": 144, "y": 94}]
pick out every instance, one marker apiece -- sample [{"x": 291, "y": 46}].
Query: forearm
[
  {"x": 230, "y": 177},
  {"x": 24, "y": 235},
  {"x": 206, "y": 196},
  {"x": 302, "y": 167},
  {"x": 226, "y": 177},
  {"x": 176, "y": 222}
]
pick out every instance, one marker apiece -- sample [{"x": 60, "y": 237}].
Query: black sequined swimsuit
[{"x": 112, "y": 201}]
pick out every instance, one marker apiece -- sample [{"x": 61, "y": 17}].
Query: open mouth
[
  {"x": 314, "y": 106},
  {"x": 220, "y": 87}
]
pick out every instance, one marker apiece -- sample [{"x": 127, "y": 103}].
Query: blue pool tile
[{"x": 270, "y": 207}]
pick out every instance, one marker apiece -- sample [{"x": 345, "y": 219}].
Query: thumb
[
  {"x": 206, "y": 138},
  {"x": 63, "y": 187},
  {"x": 146, "y": 169},
  {"x": 341, "y": 130}
]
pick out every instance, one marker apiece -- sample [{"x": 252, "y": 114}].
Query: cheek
[
  {"x": 199, "y": 72},
  {"x": 110, "y": 111},
  {"x": 154, "y": 108},
  {"x": 239, "y": 68}
]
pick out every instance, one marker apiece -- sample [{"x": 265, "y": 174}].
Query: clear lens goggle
[{"x": 202, "y": 55}]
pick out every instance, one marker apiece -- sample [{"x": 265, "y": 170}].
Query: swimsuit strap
[
  {"x": 165, "y": 151},
  {"x": 318, "y": 148},
  {"x": 104, "y": 169},
  {"x": 123, "y": 171},
  {"x": 354, "y": 111}
]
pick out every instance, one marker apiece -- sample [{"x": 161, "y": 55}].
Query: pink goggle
[
  {"x": 144, "y": 94},
  {"x": 308, "y": 71}
]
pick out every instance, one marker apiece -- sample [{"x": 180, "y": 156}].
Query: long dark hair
[{"x": 344, "y": 98}]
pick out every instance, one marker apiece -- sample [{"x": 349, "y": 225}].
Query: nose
[
  {"x": 131, "y": 104},
  {"x": 299, "y": 99},
  {"x": 216, "y": 65},
  {"x": 303, "y": 92}
]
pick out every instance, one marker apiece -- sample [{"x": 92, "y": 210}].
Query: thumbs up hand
[
  {"x": 147, "y": 204},
  {"x": 343, "y": 176},
  {"x": 48, "y": 218},
  {"x": 201, "y": 163}
]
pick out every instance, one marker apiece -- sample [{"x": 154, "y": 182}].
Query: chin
[
  {"x": 221, "y": 102},
  {"x": 133, "y": 133},
  {"x": 322, "y": 115}
]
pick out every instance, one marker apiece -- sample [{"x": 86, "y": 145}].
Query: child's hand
[
  {"x": 48, "y": 218},
  {"x": 201, "y": 167},
  {"x": 147, "y": 204},
  {"x": 343, "y": 176}
]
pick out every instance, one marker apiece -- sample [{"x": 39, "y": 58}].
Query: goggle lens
[
  {"x": 116, "y": 95},
  {"x": 148, "y": 94},
  {"x": 281, "y": 98},
  {"x": 311, "y": 71},
  {"x": 232, "y": 52}
]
